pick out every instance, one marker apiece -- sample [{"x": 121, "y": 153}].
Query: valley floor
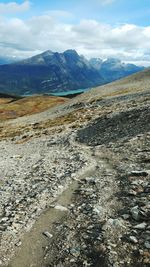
[{"x": 75, "y": 189}]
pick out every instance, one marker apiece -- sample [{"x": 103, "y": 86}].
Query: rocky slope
[
  {"x": 51, "y": 72},
  {"x": 75, "y": 181}
]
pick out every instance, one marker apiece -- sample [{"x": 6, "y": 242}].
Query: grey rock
[
  {"x": 98, "y": 209},
  {"x": 133, "y": 239},
  {"x": 2, "y": 227},
  {"x": 135, "y": 213},
  {"x": 140, "y": 226},
  {"x": 125, "y": 216},
  {"x": 113, "y": 223},
  {"x": 61, "y": 208},
  {"x": 147, "y": 244},
  {"x": 47, "y": 234},
  {"x": 132, "y": 192},
  {"x": 4, "y": 219},
  {"x": 75, "y": 251},
  {"x": 136, "y": 182},
  {"x": 90, "y": 180}
]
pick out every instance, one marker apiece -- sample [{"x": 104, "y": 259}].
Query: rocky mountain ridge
[
  {"x": 47, "y": 73},
  {"x": 113, "y": 69},
  {"x": 52, "y": 72}
]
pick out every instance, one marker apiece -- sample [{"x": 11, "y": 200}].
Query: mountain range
[
  {"x": 52, "y": 72},
  {"x": 7, "y": 60},
  {"x": 113, "y": 69}
]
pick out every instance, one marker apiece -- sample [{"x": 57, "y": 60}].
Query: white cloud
[
  {"x": 105, "y": 2},
  {"x": 13, "y": 7},
  {"x": 59, "y": 14},
  {"x": 93, "y": 39}
]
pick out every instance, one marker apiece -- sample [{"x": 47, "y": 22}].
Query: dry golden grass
[
  {"x": 76, "y": 116},
  {"x": 5, "y": 100},
  {"x": 27, "y": 106},
  {"x": 73, "y": 119}
]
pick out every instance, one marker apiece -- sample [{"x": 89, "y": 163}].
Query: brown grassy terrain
[
  {"x": 81, "y": 112},
  {"x": 26, "y": 106},
  {"x": 74, "y": 119},
  {"x": 5, "y": 100}
]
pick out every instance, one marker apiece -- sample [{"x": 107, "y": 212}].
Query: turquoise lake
[{"x": 71, "y": 92}]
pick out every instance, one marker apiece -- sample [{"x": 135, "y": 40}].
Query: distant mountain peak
[
  {"x": 96, "y": 62},
  {"x": 112, "y": 60},
  {"x": 113, "y": 69},
  {"x": 96, "y": 59},
  {"x": 71, "y": 54},
  {"x": 47, "y": 53},
  {"x": 71, "y": 51}
]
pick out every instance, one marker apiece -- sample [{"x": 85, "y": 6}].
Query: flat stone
[
  {"x": 4, "y": 219},
  {"x": 3, "y": 228},
  {"x": 75, "y": 251},
  {"x": 135, "y": 182},
  {"x": 140, "y": 226},
  {"x": 135, "y": 213},
  {"x": 98, "y": 209},
  {"x": 132, "y": 192},
  {"x": 125, "y": 216},
  {"x": 61, "y": 208},
  {"x": 47, "y": 234},
  {"x": 147, "y": 244},
  {"x": 72, "y": 260}
]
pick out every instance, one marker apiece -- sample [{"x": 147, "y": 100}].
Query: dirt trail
[
  {"x": 30, "y": 253},
  {"x": 31, "y": 250},
  {"x": 79, "y": 238}
]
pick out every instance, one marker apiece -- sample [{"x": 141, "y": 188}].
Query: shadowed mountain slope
[
  {"x": 47, "y": 73},
  {"x": 53, "y": 72}
]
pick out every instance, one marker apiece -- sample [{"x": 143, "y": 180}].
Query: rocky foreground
[{"x": 75, "y": 185}]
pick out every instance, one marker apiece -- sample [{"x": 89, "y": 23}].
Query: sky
[{"x": 94, "y": 28}]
